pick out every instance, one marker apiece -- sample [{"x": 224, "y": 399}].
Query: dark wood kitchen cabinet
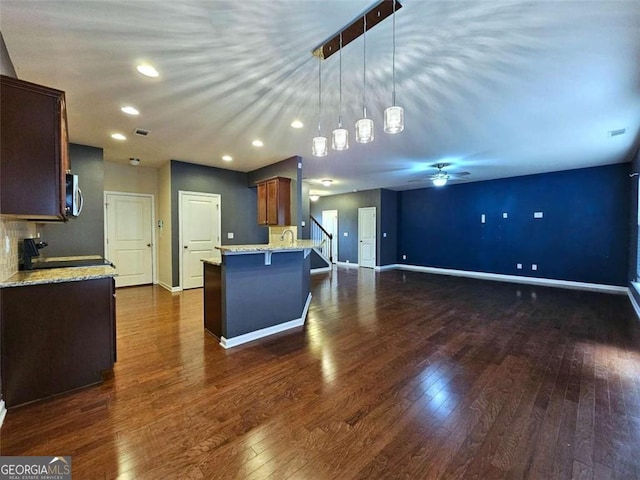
[
  {"x": 56, "y": 337},
  {"x": 274, "y": 201},
  {"x": 34, "y": 158}
]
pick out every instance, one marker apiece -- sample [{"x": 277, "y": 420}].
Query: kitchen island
[{"x": 252, "y": 291}]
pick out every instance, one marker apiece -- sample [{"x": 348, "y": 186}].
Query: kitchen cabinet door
[
  {"x": 274, "y": 201},
  {"x": 34, "y": 157}
]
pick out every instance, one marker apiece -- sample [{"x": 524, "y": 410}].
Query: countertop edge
[{"x": 57, "y": 275}]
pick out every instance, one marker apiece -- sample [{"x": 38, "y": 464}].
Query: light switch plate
[
  {"x": 346, "y": 234},
  {"x": 384, "y": 235},
  {"x": 538, "y": 214},
  {"x": 505, "y": 215},
  {"x": 230, "y": 235},
  {"x": 519, "y": 266},
  {"x": 483, "y": 218},
  {"x": 534, "y": 267}
]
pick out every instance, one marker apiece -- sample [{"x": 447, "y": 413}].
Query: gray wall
[
  {"x": 238, "y": 204},
  {"x": 347, "y": 205},
  {"x": 83, "y": 235}
]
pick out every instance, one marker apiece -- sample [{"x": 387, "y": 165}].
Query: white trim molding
[
  {"x": 347, "y": 264},
  {"x": 634, "y": 303},
  {"x": 265, "y": 332},
  {"x": 320, "y": 270},
  {"x": 544, "y": 282},
  {"x": 170, "y": 288},
  {"x": 382, "y": 268},
  {"x": 3, "y": 412}
]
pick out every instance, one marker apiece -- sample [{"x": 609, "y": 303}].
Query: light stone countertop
[
  {"x": 269, "y": 247},
  {"x": 59, "y": 275}
]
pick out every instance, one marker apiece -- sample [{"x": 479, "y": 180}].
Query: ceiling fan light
[
  {"x": 319, "y": 147},
  {"x": 364, "y": 130},
  {"x": 393, "y": 119},
  {"x": 440, "y": 180},
  {"x": 340, "y": 139},
  {"x": 314, "y": 197}
]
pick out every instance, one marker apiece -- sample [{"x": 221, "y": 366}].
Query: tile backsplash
[
  {"x": 15, "y": 230},
  {"x": 276, "y": 232}
]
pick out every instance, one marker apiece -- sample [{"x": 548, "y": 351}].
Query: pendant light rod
[
  {"x": 364, "y": 69},
  {"x": 374, "y": 16},
  {"x": 319, "y": 95},
  {"x": 393, "y": 68},
  {"x": 340, "y": 104}
]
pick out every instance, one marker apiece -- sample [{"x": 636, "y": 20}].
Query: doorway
[
  {"x": 330, "y": 224},
  {"x": 129, "y": 237},
  {"x": 199, "y": 224},
  {"x": 367, "y": 237}
]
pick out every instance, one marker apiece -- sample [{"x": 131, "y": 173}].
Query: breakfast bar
[{"x": 252, "y": 291}]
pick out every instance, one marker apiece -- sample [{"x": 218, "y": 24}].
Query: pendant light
[
  {"x": 394, "y": 115},
  {"x": 340, "y": 136},
  {"x": 364, "y": 126},
  {"x": 319, "y": 143}
]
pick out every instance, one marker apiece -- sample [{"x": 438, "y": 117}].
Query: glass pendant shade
[
  {"x": 319, "y": 147},
  {"x": 364, "y": 130},
  {"x": 393, "y": 119},
  {"x": 340, "y": 138}
]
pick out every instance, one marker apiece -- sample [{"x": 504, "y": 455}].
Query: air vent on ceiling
[
  {"x": 141, "y": 132},
  {"x": 614, "y": 133}
]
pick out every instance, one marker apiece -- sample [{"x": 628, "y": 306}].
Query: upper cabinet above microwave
[{"x": 34, "y": 151}]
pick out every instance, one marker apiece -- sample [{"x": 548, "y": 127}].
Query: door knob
[
  {"x": 148, "y": 244},
  {"x": 186, "y": 246}
]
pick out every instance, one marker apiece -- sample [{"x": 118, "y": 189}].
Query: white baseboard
[
  {"x": 320, "y": 270},
  {"x": 634, "y": 303},
  {"x": 170, "y": 288},
  {"x": 544, "y": 282},
  {"x": 265, "y": 332},
  {"x": 347, "y": 264},
  {"x": 383, "y": 268},
  {"x": 3, "y": 412}
]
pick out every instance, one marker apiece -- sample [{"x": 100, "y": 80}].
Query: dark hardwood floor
[{"x": 395, "y": 375}]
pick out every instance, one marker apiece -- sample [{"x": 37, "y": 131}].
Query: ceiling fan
[{"x": 441, "y": 177}]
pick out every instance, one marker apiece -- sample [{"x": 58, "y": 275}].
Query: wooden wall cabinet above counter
[
  {"x": 274, "y": 201},
  {"x": 34, "y": 151}
]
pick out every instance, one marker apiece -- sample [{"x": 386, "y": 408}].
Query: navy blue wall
[
  {"x": 239, "y": 205},
  {"x": 634, "y": 261},
  {"x": 584, "y": 235},
  {"x": 388, "y": 221}
]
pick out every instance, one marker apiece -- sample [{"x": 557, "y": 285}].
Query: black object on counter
[{"x": 30, "y": 249}]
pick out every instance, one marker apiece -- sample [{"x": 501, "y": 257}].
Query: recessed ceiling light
[
  {"x": 134, "y": 161},
  {"x": 118, "y": 136},
  {"x": 147, "y": 70},
  {"x": 227, "y": 158},
  {"x": 257, "y": 143},
  {"x": 129, "y": 110},
  {"x": 327, "y": 182},
  {"x": 297, "y": 124}
]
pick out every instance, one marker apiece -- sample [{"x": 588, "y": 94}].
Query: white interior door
[
  {"x": 129, "y": 241},
  {"x": 199, "y": 234},
  {"x": 367, "y": 237},
  {"x": 330, "y": 224}
]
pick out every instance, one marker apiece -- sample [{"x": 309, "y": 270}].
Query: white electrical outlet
[
  {"x": 404, "y": 257},
  {"x": 7, "y": 244},
  {"x": 519, "y": 266},
  {"x": 538, "y": 214},
  {"x": 303, "y": 223},
  {"x": 483, "y": 218},
  {"x": 534, "y": 266},
  {"x": 384, "y": 235},
  {"x": 505, "y": 215},
  {"x": 230, "y": 235},
  {"x": 346, "y": 234}
]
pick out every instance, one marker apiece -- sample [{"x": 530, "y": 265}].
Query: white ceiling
[{"x": 495, "y": 88}]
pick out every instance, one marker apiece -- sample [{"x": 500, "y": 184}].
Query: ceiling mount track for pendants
[{"x": 355, "y": 29}]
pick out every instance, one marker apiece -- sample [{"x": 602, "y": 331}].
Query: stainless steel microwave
[{"x": 74, "y": 197}]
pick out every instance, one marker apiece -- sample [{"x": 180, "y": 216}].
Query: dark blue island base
[{"x": 250, "y": 295}]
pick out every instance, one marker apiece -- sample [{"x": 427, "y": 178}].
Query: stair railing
[{"x": 319, "y": 234}]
